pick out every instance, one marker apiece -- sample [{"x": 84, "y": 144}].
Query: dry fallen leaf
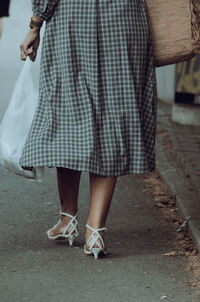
[
  {"x": 174, "y": 253},
  {"x": 191, "y": 283},
  {"x": 145, "y": 190},
  {"x": 163, "y": 298},
  {"x": 160, "y": 205}
]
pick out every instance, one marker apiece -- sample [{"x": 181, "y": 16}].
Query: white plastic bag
[{"x": 16, "y": 124}]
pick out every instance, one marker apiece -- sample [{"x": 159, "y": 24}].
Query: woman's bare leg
[
  {"x": 1, "y": 26},
  {"x": 68, "y": 186},
  {"x": 101, "y": 192}
]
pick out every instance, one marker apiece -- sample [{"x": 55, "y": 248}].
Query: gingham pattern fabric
[{"x": 97, "y": 99}]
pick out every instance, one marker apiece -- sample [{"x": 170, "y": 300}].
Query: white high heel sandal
[
  {"x": 94, "y": 239},
  {"x": 73, "y": 233}
]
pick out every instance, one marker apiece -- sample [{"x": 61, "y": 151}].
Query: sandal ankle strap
[
  {"x": 68, "y": 215},
  {"x": 96, "y": 230}
]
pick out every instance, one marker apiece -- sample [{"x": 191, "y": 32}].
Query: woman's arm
[
  {"x": 43, "y": 9},
  {"x": 31, "y": 43}
]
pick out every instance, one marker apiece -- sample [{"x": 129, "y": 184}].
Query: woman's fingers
[
  {"x": 33, "y": 56},
  {"x": 29, "y": 46},
  {"x": 36, "y": 43},
  {"x": 23, "y": 53}
]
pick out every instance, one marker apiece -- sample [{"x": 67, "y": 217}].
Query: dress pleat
[{"x": 97, "y": 106}]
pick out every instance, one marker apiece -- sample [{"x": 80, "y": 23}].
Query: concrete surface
[
  {"x": 186, "y": 114},
  {"x": 36, "y": 269},
  {"x": 166, "y": 82}
]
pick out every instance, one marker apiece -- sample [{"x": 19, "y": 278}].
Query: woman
[
  {"x": 4, "y": 12},
  {"x": 97, "y": 104}
]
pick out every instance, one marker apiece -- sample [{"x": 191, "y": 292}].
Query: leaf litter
[{"x": 184, "y": 246}]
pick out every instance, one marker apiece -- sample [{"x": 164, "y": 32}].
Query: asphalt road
[{"x": 34, "y": 269}]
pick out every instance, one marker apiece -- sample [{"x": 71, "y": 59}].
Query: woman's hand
[{"x": 30, "y": 45}]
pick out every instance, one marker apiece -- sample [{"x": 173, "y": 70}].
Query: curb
[{"x": 181, "y": 187}]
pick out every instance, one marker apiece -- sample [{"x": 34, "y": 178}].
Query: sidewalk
[
  {"x": 36, "y": 269},
  {"x": 178, "y": 164}
]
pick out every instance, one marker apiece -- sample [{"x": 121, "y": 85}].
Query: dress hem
[{"x": 100, "y": 173}]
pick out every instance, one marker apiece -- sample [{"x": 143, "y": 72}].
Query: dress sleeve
[
  {"x": 43, "y": 9},
  {"x": 4, "y": 8}
]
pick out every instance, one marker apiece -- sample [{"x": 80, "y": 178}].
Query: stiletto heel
[
  {"x": 93, "y": 239},
  {"x": 71, "y": 235},
  {"x": 96, "y": 252},
  {"x": 71, "y": 240}
]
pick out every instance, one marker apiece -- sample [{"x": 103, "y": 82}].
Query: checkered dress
[{"x": 97, "y": 107}]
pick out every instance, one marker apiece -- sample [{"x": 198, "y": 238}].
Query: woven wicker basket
[{"x": 175, "y": 29}]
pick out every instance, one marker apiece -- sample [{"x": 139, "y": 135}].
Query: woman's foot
[
  {"x": 59, "y": 229},
  {"x": 66, "y": 228},
  {"x": 88, "y": 234}
]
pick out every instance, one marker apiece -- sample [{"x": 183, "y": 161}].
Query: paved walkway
[{"x": 35, "y": 269}]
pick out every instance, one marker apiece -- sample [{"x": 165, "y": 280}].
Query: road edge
[{"x": 184, "y": 193}]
